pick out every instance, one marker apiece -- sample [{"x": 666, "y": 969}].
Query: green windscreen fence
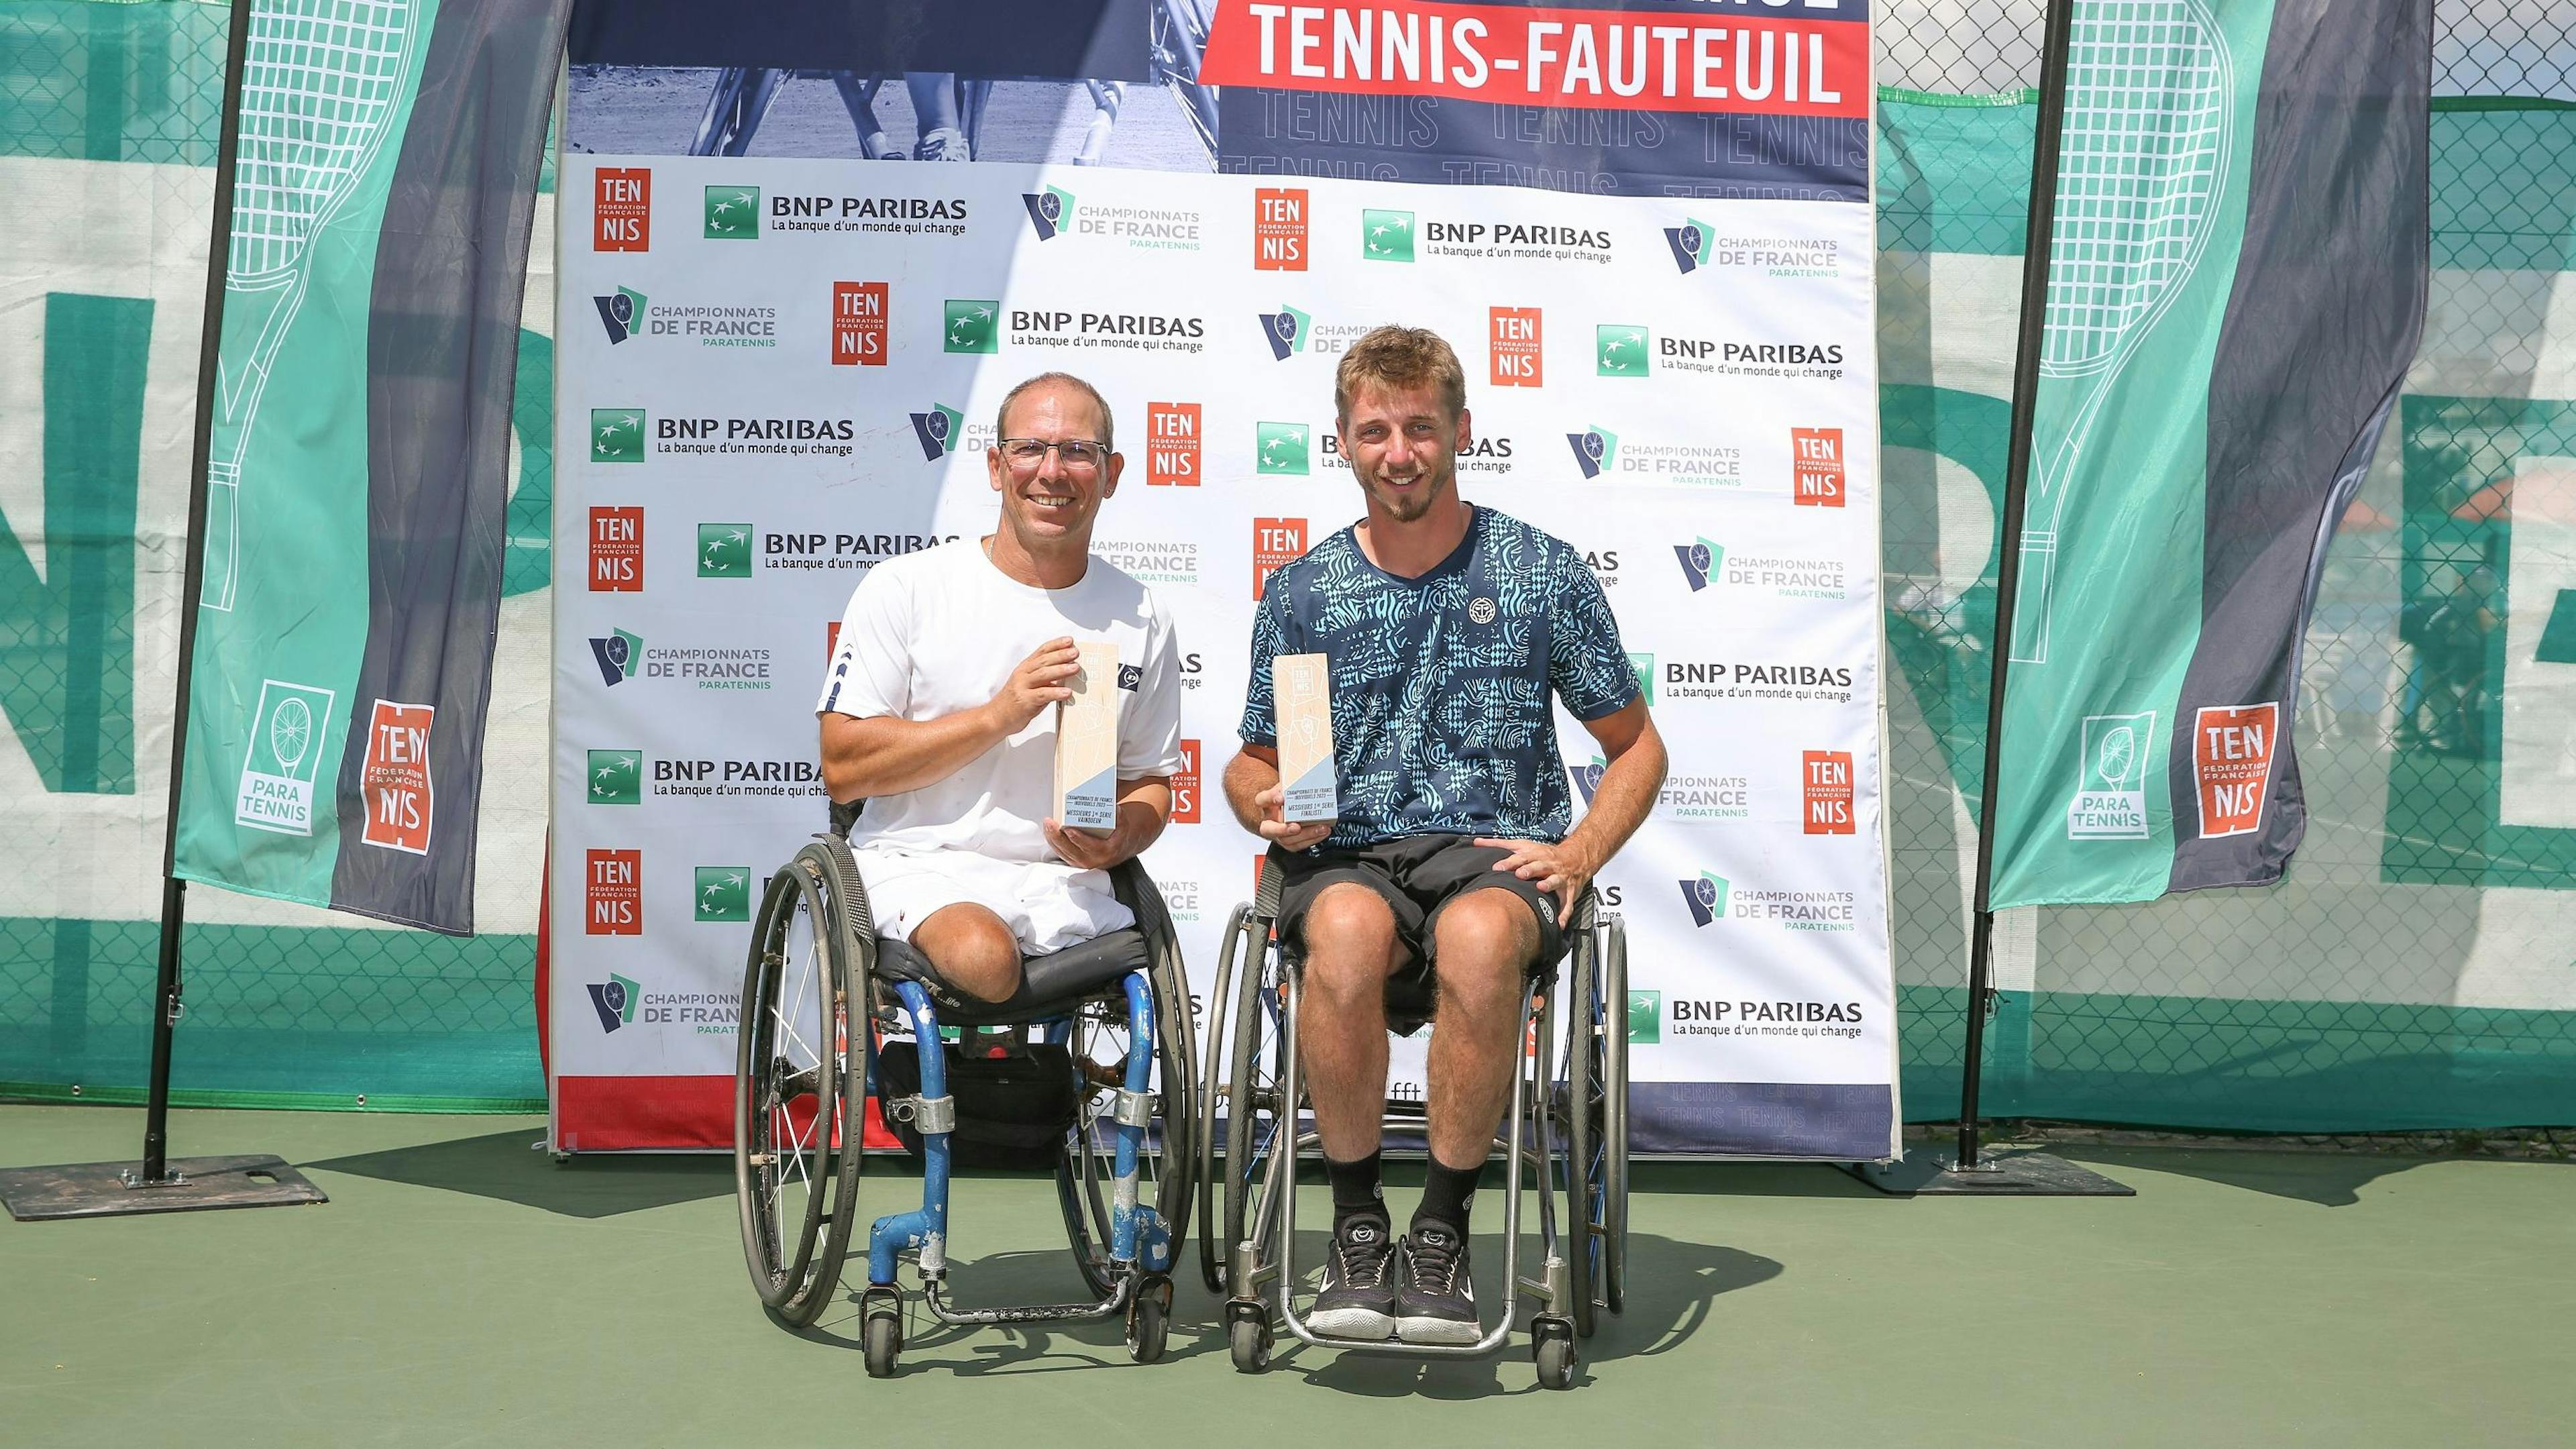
[{"x": 2413, "y": 970}]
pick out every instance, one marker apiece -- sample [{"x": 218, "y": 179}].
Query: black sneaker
[
  {"x": 1436, "y": 1302},
  {"x": 1358, "y": 1300}
]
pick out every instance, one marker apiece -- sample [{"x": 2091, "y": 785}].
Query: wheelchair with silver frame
[
  {"x": 1566, "y": 1131},
  {"x": 823, "y": 1000}
]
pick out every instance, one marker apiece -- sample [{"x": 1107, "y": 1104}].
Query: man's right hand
[
  {"x": 1303, "y": 836},
  {"x": 1038, "y": 681}
]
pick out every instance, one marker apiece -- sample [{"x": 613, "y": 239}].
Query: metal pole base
[
  {"x": 2004, "y": 1174},
  {"x": 115, "y": 1189}
]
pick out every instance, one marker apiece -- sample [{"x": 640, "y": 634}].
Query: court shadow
[
  {"x": 1672, "y": 1292},
  {"x": 505, "y": 1166},
  {"x": 2329, "y": 1179},
  {"x": 1027, "y": 1276}
]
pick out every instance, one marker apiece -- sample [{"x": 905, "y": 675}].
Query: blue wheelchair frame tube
[{"x": 897, "y": 1231}]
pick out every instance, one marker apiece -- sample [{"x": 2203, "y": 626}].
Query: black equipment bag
[{"x": 1013, "y": 1110}]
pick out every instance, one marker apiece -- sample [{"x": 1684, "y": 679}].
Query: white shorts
[{"x": 1048, "y": 904}]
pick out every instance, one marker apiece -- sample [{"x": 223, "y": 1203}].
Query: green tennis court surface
[{"x": 461, "y": 1289}]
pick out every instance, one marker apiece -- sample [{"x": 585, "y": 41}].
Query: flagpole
[
  {"x": 1969, "y": 1170},
  {"x": 108, "y": 1189}
]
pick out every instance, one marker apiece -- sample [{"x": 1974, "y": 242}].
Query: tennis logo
[
  {"x": 1706, "y": 898},
  {"x": 971, "y": 325},
  {"x": 1172, "y": 444},
  {"x": 1587, "y": 778},
  {"x": 618, "y": 654},
  {"x": 286, "y": 737},
  {"x": 613, "y": 896},
  {"x": 1279, "y": 229},
  {"x": 1282, "y": 448},
  {"x": 617, "y": 550},
  {"x": 1596, "y": 450},
  {"x": 858, "y": 324},
  {"x": 1826, "y": 778},
  {"x": 617, "y": 435},
  {"x": 622, "y": 313},
  {"x": 733, "y": 213},
  {"x": 1645, "y": 1018},
  {"x": 1386, "y": 236},
  {"x": 1701, "y": 561},
  {"x": 1621, "y": 350},
  {"x": 614, "y": 777},
  {"x": 724, "y": 893},
  {"x": 1185, "y": 786},
  {"x": 939, "y": 430},
  {"x": 621, "y": 209},
  {"x": 615, "y": 999},
  {"x": 1816, "y": 467},
  {"x": 1276, "y": 543},
  {"x": 1692, "y": 242},
  {"x": 1050, "y": 211},
  {"x": 2111, "y": 800},
  {"x": 724, "y": 550},
  {"x": 1286, "y": 331},
  {"x": 2231, "y": 766},
  {"x": 1514, "y": 343},
  {"x": 394, "y": 780}
]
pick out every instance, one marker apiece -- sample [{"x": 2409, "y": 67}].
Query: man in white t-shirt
[{"x": 939, "y": 709}]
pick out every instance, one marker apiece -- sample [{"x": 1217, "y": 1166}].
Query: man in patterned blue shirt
[{"x": 1450, "y": 868}]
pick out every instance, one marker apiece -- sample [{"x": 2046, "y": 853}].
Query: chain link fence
[{"x": 2411, "y": 971}]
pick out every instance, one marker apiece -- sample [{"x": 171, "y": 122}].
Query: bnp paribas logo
[
  {"x": 724, "y": 550},
  {"x": 1706, "y": 897},
  {"x": 1621, "y": 350},
  {"x": 1050, "y": 211},
  {"x": 617, "y": 435},
  {"x": 1286, "y": 330},
  {"x": 1596, "y": 450},
  {"x": 1644, "y": 665},
  {"x": 615, "y": 999},
  {"x": 939, "y": 430},
  {"x": 1645, "y": 1018},
  {"x": 622, "y": 313},
  {"x": 1282, "y": 448},
  {"x": 724, "y": 893},
  {"x": 619, "y": 655},
  {"x": 1386, "y": 236},
  {"x": 1587, "y": 778},
  {"x": 616, "y": 777},
  {"x": 972, "y": 326},
  {"x": 1701, "y": 560},
  {"x": 733, "y": 213},
  {"x": 1692, "y": 241}
]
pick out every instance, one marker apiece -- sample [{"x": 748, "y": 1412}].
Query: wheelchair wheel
[
  {"x": 796, "y": 1153},
  {"x": 1087, "y": 1167},
  {"x": 1614, "y": 1217},
  {"x": 1254, "y": 1112},
  {"x": 1596, "y": 1050},
  {"x": 1209, "y": 1179}
]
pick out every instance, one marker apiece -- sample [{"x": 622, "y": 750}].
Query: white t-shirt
[{"x": 930, "y": 633}]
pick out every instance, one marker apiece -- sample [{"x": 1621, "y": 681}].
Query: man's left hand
[
  {"x": 1561, "y": 868},
  {"x": 1083, "y": 849}
]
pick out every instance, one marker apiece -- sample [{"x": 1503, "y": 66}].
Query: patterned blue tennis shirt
[{"x": 1441, "y": 721}]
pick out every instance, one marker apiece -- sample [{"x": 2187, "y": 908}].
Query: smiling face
[
  {"x": 1049, "y": 504},
  {"x": 1403, "y": 445}
]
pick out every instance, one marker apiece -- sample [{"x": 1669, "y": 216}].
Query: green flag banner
[{"x": 2237, "y": 282}]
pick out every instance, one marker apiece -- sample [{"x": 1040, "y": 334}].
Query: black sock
[
  {"x": 1447, "y": 1194},
  {"x": 1355, "y": 1189}
]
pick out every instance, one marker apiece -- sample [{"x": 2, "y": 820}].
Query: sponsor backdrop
[{"x": 779, "y": 371}]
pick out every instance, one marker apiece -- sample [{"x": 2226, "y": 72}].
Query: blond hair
[{"x": 1397, "y": 358}]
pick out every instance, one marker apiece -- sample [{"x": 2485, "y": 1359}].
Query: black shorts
[{"x": 1417, "y": 876}]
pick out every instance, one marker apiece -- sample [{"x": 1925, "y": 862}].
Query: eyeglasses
[{"x": 1079, "y": 455}]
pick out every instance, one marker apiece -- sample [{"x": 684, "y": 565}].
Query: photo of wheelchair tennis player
[
  {"x": 938, "y": 709},
  {"x": 1447, "y": 626}
]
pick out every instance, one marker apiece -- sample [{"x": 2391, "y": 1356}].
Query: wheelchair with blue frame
[
  {"x": 1565, "y": 1132},
  {"x": 828, "y": 1008}
]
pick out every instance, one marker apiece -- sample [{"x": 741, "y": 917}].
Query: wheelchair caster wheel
[
  {"x": 1148, "y": 1323},
  {"x": 1247, "y": 1337},
  {"x": 1552, "y": 1347},
  {"x": 882, "y": 1339}
]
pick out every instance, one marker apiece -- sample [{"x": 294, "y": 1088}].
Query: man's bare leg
[
  {"x": 1485, "y": 941},
  {"x": 1341, "y": 1017},
  {"x": 974, "y": 951}
]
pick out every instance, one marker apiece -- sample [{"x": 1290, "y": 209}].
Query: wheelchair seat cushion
[{"x": 1050, "y": 985}]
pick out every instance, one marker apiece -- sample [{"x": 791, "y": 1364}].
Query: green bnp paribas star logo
[
  {"x": 1282, "y": 448},
  {"x": 616, "y": 777},
  {"x": 1622, "y": 350},
  {"x": 1386, "y": 236},
  {"x": 724, "y": 893},
  {"x": 617, "y": 435},
  {"x": 972, "y": 326},
  {"x": 1644, "y": 664},
  {"x": 1645, "y": 1017},
  {"x": 724, "y": 550},
  {"x": 733, "y": 213}
]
